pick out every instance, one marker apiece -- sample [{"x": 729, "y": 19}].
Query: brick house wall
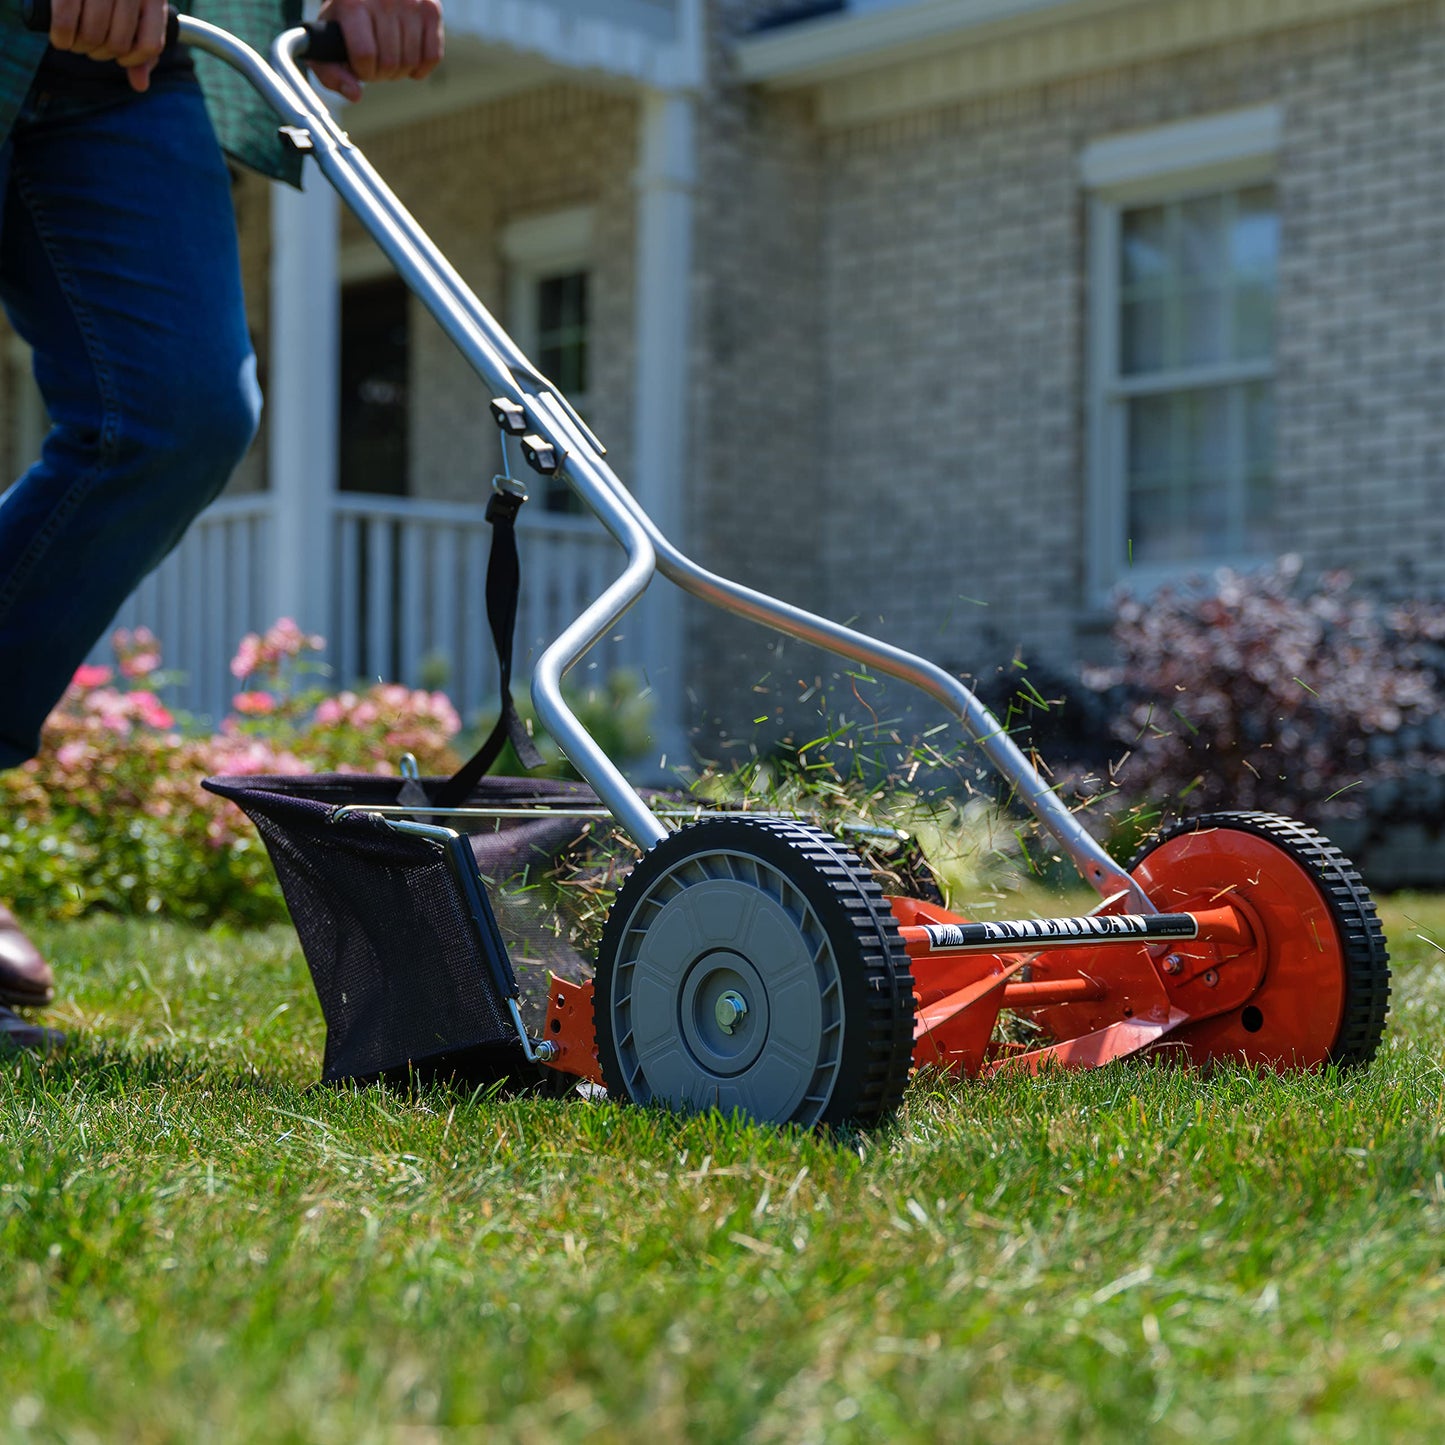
[
  {"x": 1361, "y": 355},
  {"x": 756, "y": 501},
  {"x": 933, "y": 272}
]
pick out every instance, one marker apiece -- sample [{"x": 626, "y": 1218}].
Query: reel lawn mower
[{"x": 753, "y": 963}]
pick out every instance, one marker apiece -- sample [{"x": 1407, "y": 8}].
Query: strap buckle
[{"x": 508, "y": 494}]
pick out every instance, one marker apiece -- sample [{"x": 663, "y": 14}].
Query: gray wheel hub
[
  {"x": 731, "y": 996},
  {"x": 724, "y": 1012}
]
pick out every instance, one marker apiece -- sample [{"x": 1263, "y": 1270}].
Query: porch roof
[{"x": 496, "y": 48}]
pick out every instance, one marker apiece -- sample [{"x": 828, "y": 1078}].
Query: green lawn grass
[{"x": 197, "y": 1242}]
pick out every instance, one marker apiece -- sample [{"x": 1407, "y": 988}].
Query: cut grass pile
[{"x": 197, "y": 1242}]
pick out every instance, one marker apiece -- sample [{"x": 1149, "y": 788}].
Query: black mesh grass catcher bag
[
  {"x": 412, "y": 962},
  {"x": 415, "y": 940}
]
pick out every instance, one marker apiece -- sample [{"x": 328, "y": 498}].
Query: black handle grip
[{"x": 324, "y": 42}]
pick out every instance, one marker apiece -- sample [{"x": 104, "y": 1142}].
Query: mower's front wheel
[{"x": 753, "y": 966}]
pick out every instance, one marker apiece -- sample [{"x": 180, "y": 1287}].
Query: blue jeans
[{"x": 119, "y": 267}]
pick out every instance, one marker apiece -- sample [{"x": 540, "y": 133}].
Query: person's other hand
[
  {"x": 386, "y": 40},
  {"x": 130, "y": 32}
]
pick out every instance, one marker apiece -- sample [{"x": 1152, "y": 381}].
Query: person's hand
[
  {"x": 131, "y": 32},
  {"x": 386, "y": 40}
]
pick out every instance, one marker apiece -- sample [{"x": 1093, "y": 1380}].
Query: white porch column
[
  {"x": 666, "y": 179},
  {"x": 302, "y": 394}
]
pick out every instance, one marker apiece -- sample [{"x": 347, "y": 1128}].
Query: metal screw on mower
[
  {"x": 731, "y": 1010},
  {"x": 1173, "y": 963}
]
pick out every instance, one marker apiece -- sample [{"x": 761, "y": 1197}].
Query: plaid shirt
[{"x": 245, "y": 124}]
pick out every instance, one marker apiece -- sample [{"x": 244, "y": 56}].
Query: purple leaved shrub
[{"x": 1264, "y": 690}]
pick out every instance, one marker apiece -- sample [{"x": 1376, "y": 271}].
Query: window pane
[
  {"x": 562, "y": 354},
  {"x": 1197, "y": 281},
  {"x": 1141, "y": 337},
  {"x": 1202, "y": 329},
  {"x": 1196, "y": 301},
  {"x": 1204, "y": 419},
  {"x": 1206, "y": 519},
  {"x": 1152, "y": 533},
  {"x": 1254, "y": 238},
  {"x": 1156, "y": 479},
  {"x": 1199, "y": 473},
  {"x": 1253, "y": 322},
  {"x": 1201, "y": 238},
  {"x": 375, "y": 361},
  {"x": 1204, "y": 416},
  {"x": 1148, "y": 426},
  {"x": 1145, "y": 256},
  {"x": 562, "y": 331},
  {"x": 1259, "y": 533}
]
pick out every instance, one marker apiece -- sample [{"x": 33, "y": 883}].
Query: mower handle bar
[{"x": 325, "y": 42}]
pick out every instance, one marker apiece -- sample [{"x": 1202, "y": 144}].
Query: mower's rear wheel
[
  {"x": 1326, "y": 985},
  {"x": 753, "y": 966}
]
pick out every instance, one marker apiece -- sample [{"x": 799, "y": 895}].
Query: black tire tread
[{"x": 1362, "y": 938}]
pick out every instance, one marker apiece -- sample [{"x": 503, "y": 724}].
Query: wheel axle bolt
[
  {"x": 1211, "y": 977},
  {"x": 731, "y": 1010},
  {"x": 1173, "y": 963}
]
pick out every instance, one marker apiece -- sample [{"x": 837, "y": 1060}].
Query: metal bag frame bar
[{"x": 457, "y": 854}]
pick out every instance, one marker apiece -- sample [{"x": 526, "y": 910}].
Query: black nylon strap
[{"x": 504, "y": 576}]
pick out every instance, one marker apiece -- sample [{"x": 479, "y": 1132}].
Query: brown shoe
[
  {"x": 17, "y": 1033},
  {"x": 25, "y": 977}
]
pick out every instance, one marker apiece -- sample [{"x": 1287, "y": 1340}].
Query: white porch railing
[
  {"x": 408, "y": 597},
  {"x": 202, "y": 599},
  {"x": 410, "y": 593}
]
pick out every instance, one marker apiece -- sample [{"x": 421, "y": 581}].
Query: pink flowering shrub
[
  {"x": 380, "y": 725},
  {"x": 138, "y": 653},
  {"x": 346, "y": 733},
  {"x": 111, "y": 813}
]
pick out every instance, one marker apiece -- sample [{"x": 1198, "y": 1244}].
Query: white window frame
[{"x": 1168, "y": 163}]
